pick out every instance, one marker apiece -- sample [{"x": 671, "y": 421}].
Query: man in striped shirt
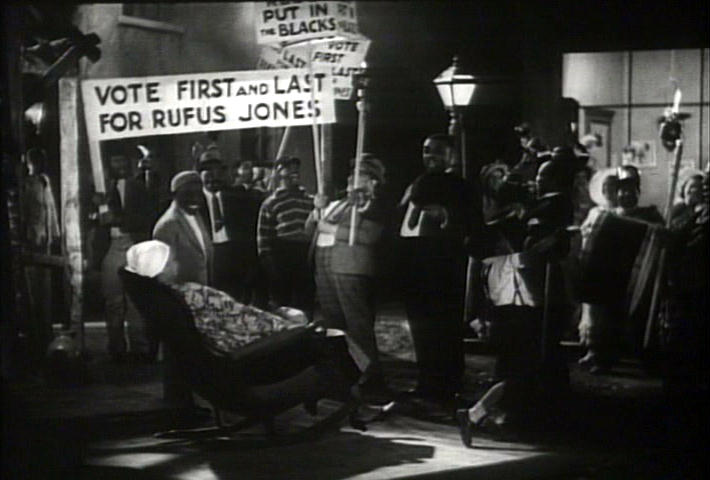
[{"x": 282, "y": 241}]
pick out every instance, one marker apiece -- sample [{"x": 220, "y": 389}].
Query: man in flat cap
[
  {"x": 282, "y": 240},
  {"x": 183, "y": 229},
  {"x": 345, "y": 274},
  {"x": 191, "y": 251}
]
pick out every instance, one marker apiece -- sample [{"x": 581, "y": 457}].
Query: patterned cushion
[{"x": 228, "y": 325}]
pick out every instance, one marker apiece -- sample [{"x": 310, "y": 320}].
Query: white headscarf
[
  {"x": 596, "y": 186},
  {"x": 684, "y": 176},
  {"x": 148, "y": 258}
]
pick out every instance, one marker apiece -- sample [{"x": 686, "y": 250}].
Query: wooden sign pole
[
  {"x": 314, "y": 125},
  {"x": 359, "y": 147}
]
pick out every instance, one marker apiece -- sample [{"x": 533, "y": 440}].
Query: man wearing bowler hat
[{"x": 345, "y": 274}]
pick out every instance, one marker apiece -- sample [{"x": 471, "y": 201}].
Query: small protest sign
[
  {"x": 295, "y": 21},
  {"x": 343, "y": 56}
]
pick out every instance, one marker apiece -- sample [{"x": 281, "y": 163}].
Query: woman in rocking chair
[
  {"x": 240, "y": 358},
  {"x": 225, "y": 324}
]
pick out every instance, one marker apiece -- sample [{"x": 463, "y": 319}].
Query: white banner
[
  {"x": 134, "y": 107},
  {"x": 343, "y": 56},
  {"x": 295, "y": 21}
]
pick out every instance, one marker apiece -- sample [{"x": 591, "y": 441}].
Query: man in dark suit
[
  {"x": 438, "y": 232},
  {"x": 124, "y": 222},
  {"x": 231, "y": 217},
  {"x": 148, "y": 176}
]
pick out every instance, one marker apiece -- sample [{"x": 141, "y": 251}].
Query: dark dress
[{"x": 685, "y": 325}]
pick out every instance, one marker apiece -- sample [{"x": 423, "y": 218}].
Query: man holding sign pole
[{"x": 345, "y": 271}]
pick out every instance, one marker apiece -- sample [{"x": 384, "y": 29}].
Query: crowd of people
[{"x": 506, "y": 249}]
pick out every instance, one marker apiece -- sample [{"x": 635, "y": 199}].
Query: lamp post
[{"x": 456, "y": 91}]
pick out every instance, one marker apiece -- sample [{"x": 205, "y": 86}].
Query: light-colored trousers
[{"x": 119, "y": 309}]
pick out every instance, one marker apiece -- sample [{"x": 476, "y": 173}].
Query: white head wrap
[
  {"x": 147, "y": 258},
  {"x": 596, "y": 186},
  {"x": 684, "y": 176}
]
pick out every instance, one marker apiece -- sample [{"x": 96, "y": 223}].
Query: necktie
[
  {"x": 114, "y": 199},
  {"x": 218, "y": 220}
]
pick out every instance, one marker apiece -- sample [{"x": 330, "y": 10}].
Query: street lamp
[{"x": 456, "y": 91}]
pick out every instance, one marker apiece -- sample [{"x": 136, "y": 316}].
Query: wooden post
[
  {"x": 284, "y": 141},
  {"x": 72, "y": 244},
  {"x": 326, "y": 157},
  {"x": 456, "y": 133},
  {"x": 361, "y": 105},
  {"x": 660, "y": 270},
  {"x": 314, "y": 125}
]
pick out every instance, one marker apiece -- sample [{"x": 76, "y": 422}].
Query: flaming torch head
[{"x": 671, "y": 128}]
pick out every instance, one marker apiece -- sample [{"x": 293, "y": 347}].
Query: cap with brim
[
  {"x": 208, "y": 157},
  {"x": 628, "y": 173},
  {"x": 286, "y": 161},
  {"x": 522, "y": 129},
  {"x": 373, "y": 167},
  {"x": 489, "y": 171},
  {"x": 492, "y": 168},
  {"x": 147, "y": 258},
  {"x": 184, "y": 178}
]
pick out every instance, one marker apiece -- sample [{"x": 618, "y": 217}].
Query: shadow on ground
[{"x": 622, "y": 420}]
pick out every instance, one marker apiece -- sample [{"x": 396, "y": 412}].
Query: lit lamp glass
[
  {"x": 455, "y": 88},
  {"x": 456, "y": 91}
]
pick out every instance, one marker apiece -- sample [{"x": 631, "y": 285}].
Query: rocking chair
[{"x": 260, "y": 381}]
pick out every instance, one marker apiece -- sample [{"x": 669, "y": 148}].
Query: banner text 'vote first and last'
[{"x": 134, "y": 107}]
